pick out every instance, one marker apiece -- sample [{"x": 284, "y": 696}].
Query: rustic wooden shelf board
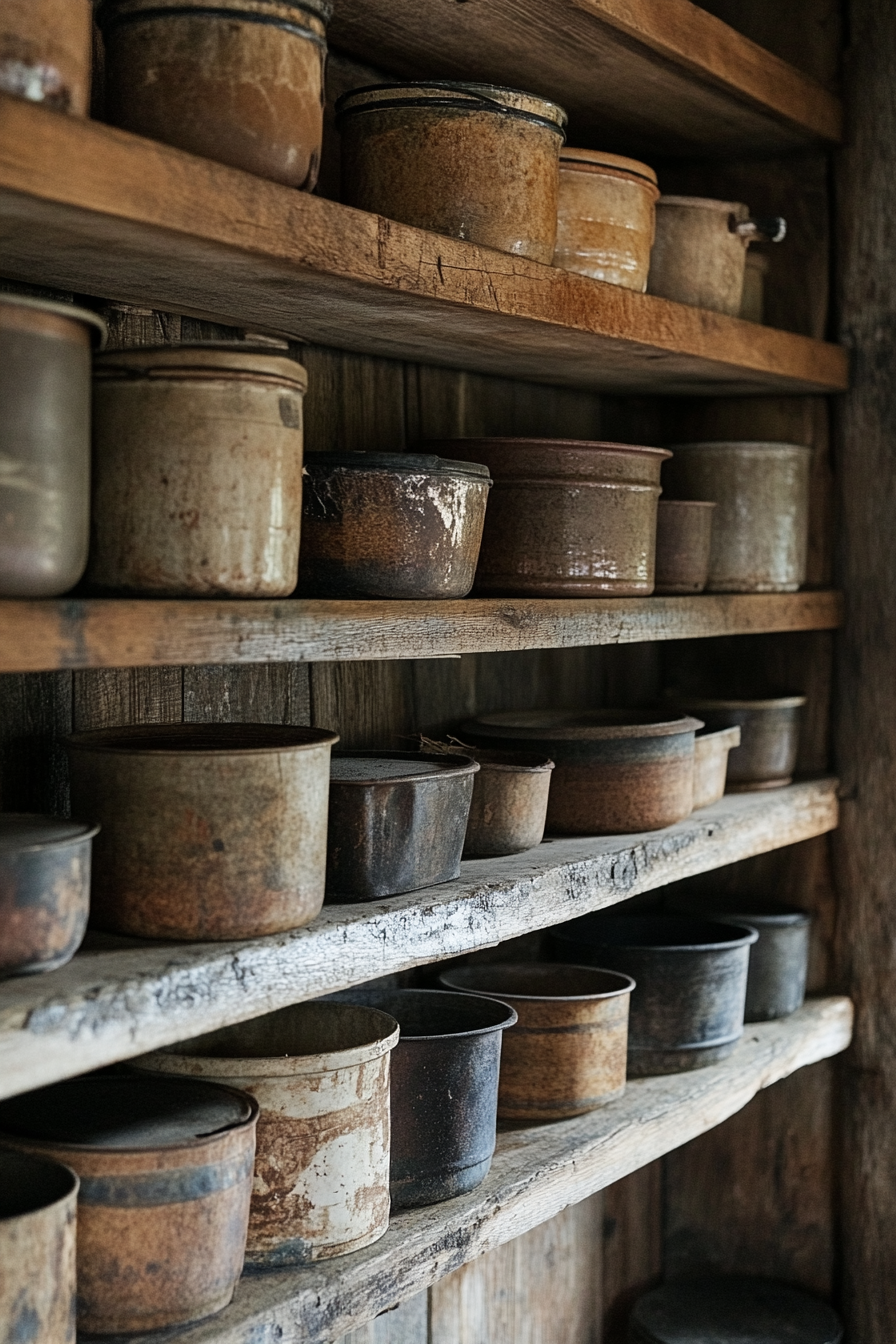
[
  {"x": 639, "y": 75},
  {"x": 535, "y": 1174},
  {"x": 109, "y": 632},
  {"x": 89, "y": 208},
  {"x": 129, "y": 997}
]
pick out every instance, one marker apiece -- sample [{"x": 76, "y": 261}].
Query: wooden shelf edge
[
  {"x": 535, "y": 1174},
  {"x": 126, "y": 998}
]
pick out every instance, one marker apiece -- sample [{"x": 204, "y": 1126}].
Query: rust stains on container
[
  {"x": 711, "y": 764},
  {"x": 37, "y": 1250},
  {"x": 45, "y": 48},
  {"x": 44, "y": 890},
  {"x": 683, "y": 540},
  {"x": 606, "y": 217}
]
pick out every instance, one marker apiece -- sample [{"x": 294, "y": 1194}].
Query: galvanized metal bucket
[
  {"x": 44, "y": 890},
  {"x": 38, "y": 1200},
  {"x": 732, "y": 1309}
]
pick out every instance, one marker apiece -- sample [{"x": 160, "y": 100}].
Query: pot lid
[
  {"x": 598, "y": 158},
  {"x": 28, "y": 832},
  {"x": 395, "y": 767},
  {"x": 460, "y": 95},
  {"x": 596, "y": 725},
  {"x": 411, "y": 464},
  {"x": 99, "y": 330},
  {"x": 723, "y": 1308},
  {"x": 225, "y": 357}
]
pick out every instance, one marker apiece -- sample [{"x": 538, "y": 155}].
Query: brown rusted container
[
  {"x": 567, "y": 1052},
  {"x": 606, "y": 217},
  {"x": 37, "y": 1250},
  {"x": 197, "y": 483},
  {"x": 239, "y": 81},
  {"x": 769, "y": 737},
  {"x": 393, "y": 525},
  {"x": 617, "y": 770},
  {"x": 320, "y": 1075},
  {"x": 474, "y": 161},
  {"x": 208, "y": 830},
  {"x": 683, "y": 540},
  {"x": 165, "y": 1166},
  {"x": 700, "y": 251},
  {"x": 510, "y": 803},
  {"x": 45, "y": 48},
  {"x": 44, "y": 890},
  {"x": 711, "y": 764}
]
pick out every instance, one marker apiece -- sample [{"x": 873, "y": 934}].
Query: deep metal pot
[
  {"x": 44, "y": 890},
  {"x": 711, "y": 751},
  {"x": 687, "y": 1010},
  {"x": 732, "y": 1309},
  {"x": 605, "y": 217},
  {"x": 45, "y": 50},
  {"x": 37, "y": 1250},
  {"x": 769, "y": 737},
  {"x": 683, "y": 542}
]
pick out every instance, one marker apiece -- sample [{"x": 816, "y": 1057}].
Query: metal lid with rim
[
  {"x": 98, "y": 329},
  {"x": 409, "y": 464},
  {"x": 469, "y": 96},
  {"x": 597, "y": 725},
  {"x": 732, "y": 1309},
  {"x": 112, "y": 13},
  {"x": 31, "y": 832},
  {"x": 167, "y": 361},
  {"x": 570, "y": 157},
  {"x": 398, "y": 767}
]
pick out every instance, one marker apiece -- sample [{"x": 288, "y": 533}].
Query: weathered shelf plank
[
  {"x": 128, "y": 997},
  {"x": 535, "y": 1174},
  {"x": 89, "y": 208},
  {"x": 109, "y": 632}
]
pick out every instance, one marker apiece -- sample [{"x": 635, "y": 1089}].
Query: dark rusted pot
[
  {"x": 37, "y": 1250},
  {"x": 239, "y": 81},
  {"x": 393, "y": 525},
  {"x": 444, "y": 1089},
  {"x": 769, "y": 737},
  {"x": 567, "y": 518},
  {"x": 510, "y": 803},
  {"x": 320, "y": 1074},
  {"x": 687, "y": 1010},
  {"x": 617, "y": 770},
  {"x": 44, "y": 890},
  {"x": 397, "y": 822},
  {"x": 567, "y": 1053},
  {"x": 45, "y": 48},
  {"x": 732, "y": 1309},
  {"x": 711, "y": 751},
  {"x": 208, "y": 830},
  {"x": 165, "y": 1166},
  {"x": 474, "y": 161},
  {"x": 683, "y": 539}
]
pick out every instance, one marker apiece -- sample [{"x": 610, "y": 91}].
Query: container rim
[
  {"x": 747, "y": 938},
  {"x": 465, "y": 765},
  {"x": 624, "y": 988},
  {"x": 581, "y": 445},
  {"x": 769, "y": 702},
  {"x": 79, "y": 832},
  {"x": 408, "y": 464},
  {"x": 100, "y": 330},
  {"x": 509, "y": 1021},
  {"x": 741, "y": 446},
  {"x": 596, "y": 158},
  {"x": 687, "y": 503},
  {"x": 107, "y": 9},
  {"x": 474, "y": 95},
  {"x": 653, "y": 723},
  {"x": 200, "y": 356},
  {"x": 113, "y": 740},
  {"x": 40, "y": 1161},
  {"x": 705, "y": 203}
]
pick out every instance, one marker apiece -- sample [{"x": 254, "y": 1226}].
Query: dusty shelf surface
[
  {"x": 124, "y": 997},
  {"x": 535, "y": 1174}
]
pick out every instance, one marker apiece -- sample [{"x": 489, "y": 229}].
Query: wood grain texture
[
  {"x": 633, "y": 1251},
  {"x": 127, "y": 996}
]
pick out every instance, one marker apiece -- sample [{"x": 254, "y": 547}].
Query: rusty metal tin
[
  {"x": 683, "y": 540},
  {"x": 474, "y": 161},
  {"x": 238, "y": 81},
  {"x": 209, "y": 831},
  {"x": 605, "y": 217},
  {"x": 567, "y": 1052},
  {"x": 165, "y": 1166},
  {"x": 37, "y": 1250},
  {"x": 320, "y": 1075},
  {"x": 769, "y": 737},
  {"x": 711, "y": 764},
  {"x": 45, "y": 51},
  {"x": 617, "y": 771},
  {"x": 510, "y": 803},
  {"x": 397, "y": 822},
  {"x": 732, "y": 1309},
  {"x": 698, "y": 254},
  {"x": 392, "y": 525},
  {"x": 44, "y": 890}
]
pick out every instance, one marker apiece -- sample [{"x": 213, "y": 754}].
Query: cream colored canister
[{"x": 605, "y": 217}]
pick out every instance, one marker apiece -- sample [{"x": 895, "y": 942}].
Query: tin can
[{"x": 38, "y": 1202}]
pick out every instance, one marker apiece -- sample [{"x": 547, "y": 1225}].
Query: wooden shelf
[
  {"x": 89, "y": 208},
  {"x": 535, "y": 1174},
  {"x": 129, "y": 997},
  {"x": 636, "y": 75},
  {"x": 111, "y": 632}
]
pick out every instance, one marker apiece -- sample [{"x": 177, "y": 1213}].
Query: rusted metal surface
[
  {"x": 769, "y": 737},
  {"x": 683, "y": 540},
  {"x": 320, "y": 1075},
  {"x": 606, "y": 217},
  {"x": 37, "y": 1250},
  {"x": 510, "y": 803},
  {"x": 617, "y": 771},
  {"x": 397, "y": 822},
  {"x": 698, "y": 255},
  {"x": 209, "y": 831},
  {"x": 687, "y": 1008},
  {"x": 392, "y": 525},
  {"x": 165, "y": 1166},
  {"x": 732, "y": 1309},
  {"x": 44, "y": 890},
  {"x": 711, "y": 764},
  {"x": 473, "y": 161},
  {"x": 567, "y": 1052},
  {"x": 239, "y": 81},
  {"x": 45, "y": 48},
  {"x": 197, "y": 484}
]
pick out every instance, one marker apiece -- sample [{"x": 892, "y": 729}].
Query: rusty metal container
[
  {"x": 320, "y": 1075},
  {"x": 567, "y": 1052},
  {"x": 769, "y": 737},
  {"x": 510, "y": 803},
  {"x": 606, "y": 217},
  {"x": 45, "y": 51},
  {"x": 197, "y": 488},
  {"x": 711, "y": 764},
  {"x": 45, "y": 436},
  {"x": 44, "y": 890},
  {"x": 761, "y": 526},
  {"x": 617, "y": 771},
  {"x": 683, "y": 541},
  {"x": 37, "y": 1250},
  {"x": 239, "y": 81},
  {"x": 700, "y": 250},
  {"x": 474, "y": 161},
  {"x": 732, "y": 1309},
  {"x": 397, "y": 822},
  {"x": 209, "y": 831},
  {"x": 393, "y": 525},
  {"x": 165, "y": 1166}
]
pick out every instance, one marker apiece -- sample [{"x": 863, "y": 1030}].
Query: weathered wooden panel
[{"x": 632, "y": 1246}]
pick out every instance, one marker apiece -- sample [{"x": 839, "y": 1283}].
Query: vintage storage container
[
  {"x": 510, "y": 803},
  {"x": 474, "y": 161},
  {"x": 699, "y": 253},
  {"x": 197, "y": 486},
  {"x": 391, "y": 525},
  {"x": 769, "y": 737},
  {"x": 605, "y": 217},
  {"x": 732, "y": 1309},
  {"x": 44, "y": 890},
  {"x": 212, "y": 831},
  {"x": 165, "y": 1166},
  {"x": 45, "y": 48},
  {"x": 239, "y": 81},
  {"x": 683, "y": 541},
  {"x": 567, "y": 1053},
  {"x": 711, "y": 751},
  {"x": 320, "y": 1075},
  {"x": 37, "y": 1250}
]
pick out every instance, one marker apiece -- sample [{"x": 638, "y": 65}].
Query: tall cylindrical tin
[
  {"x": 44, "y": 890},
  {"x": 45, "y": 49},
  {"x": 605, "y": 217},
  {"x": 37, "y": 1250}
]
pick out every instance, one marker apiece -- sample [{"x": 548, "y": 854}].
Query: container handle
[{"x": 770, "y": 230}]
